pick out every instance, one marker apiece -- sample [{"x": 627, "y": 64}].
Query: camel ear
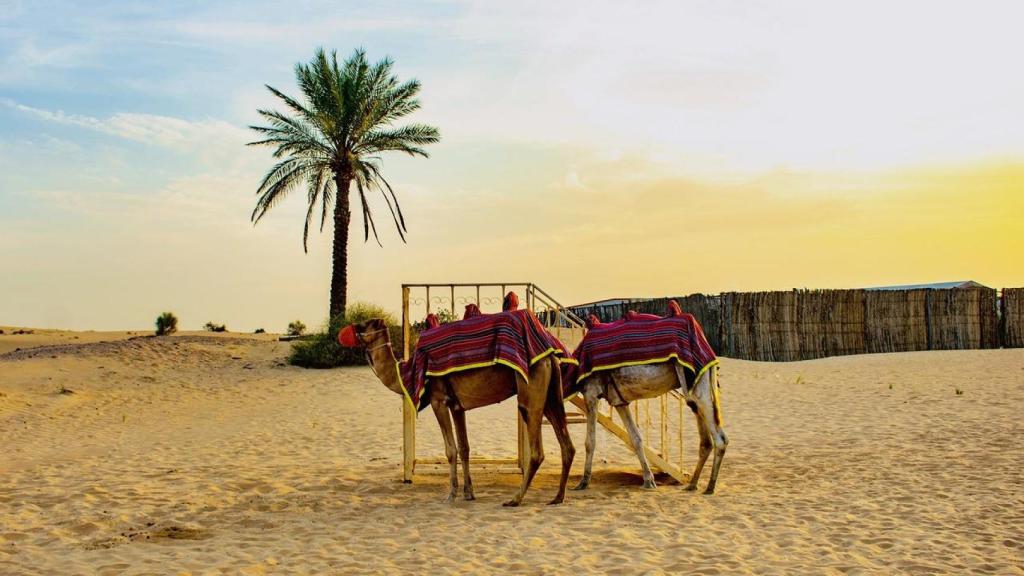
[{"x": 674, "y": 309}]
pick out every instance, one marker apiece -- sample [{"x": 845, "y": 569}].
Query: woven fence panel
[
  {"x": 761, "y": 325},
  {"x": 896, "y": 320},
  {"x": 830, "y": 323},
  {"x": 1013, "y": 317},
  {"x": 604, "y": 313},
  {"x": 988, "y": 317},
  {"x": 959, "y": 319},
  {"x": 657, "y": 306},
  {"x": 708, "y": 311}
]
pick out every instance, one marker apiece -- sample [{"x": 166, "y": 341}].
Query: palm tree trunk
[{"x": 339, "y": 274}]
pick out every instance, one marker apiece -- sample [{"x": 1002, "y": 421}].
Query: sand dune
[{"x": 201, "y": 454}]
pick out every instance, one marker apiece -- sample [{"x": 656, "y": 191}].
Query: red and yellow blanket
[
  {"x": 641, "y": 339},
  {"x": 514, "y": 338}
]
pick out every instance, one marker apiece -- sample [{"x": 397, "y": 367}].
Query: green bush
[
  {"x": 321, "y": 350},
  {"x": 444, "y": 316},
  {"x": 296, "y": 328},
  {"x": 211, "y": 327},
  {"x": 166, "y": 323}
]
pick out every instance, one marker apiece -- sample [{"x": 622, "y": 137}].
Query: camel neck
[{"x": 383, "y": 363}]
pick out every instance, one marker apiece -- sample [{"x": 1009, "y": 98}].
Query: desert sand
[{"x": 202, "y": 454}]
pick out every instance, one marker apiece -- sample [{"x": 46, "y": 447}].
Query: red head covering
[
  {"x": 511, "y": 302},
  {"x": 472, "y": 310},
  {"x": 347, "y": 337},
  {"x": 674, "y": 309},
  {"x": 432, "y": 321}
]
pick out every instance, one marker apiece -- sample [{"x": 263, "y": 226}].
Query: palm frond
[
  {"x": 406, "y": 139},
  {"x": 278, "y": 182},
  {"x": 396, "y": 210},
  {"x": 367, "y": 213},
  {"x": 317, "y": 181},
  {"x": 326, "y": 202}
]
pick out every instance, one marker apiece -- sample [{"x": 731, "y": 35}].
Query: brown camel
[{"x": 452, "y": 395}]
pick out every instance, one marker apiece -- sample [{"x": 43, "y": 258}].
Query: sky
[{"x": 598, "y": 149}]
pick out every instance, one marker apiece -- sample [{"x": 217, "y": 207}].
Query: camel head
[
  {"x": 367, "y": 334},
  {"x": 373, "y": 335}
]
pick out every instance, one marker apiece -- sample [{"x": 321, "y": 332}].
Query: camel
[
  {"x": 452, "y": 395},
  {"x": 620, "y": 386}
]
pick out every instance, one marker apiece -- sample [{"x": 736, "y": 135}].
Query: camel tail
[{"x": 555, "y": 393}]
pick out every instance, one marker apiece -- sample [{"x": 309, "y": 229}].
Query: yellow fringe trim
[
  {"x": 672, "y": 356},
  {"x": 714, "y": 397},
  {"x": 405, "y": 393},
  {"x": 533, "y": 361}
]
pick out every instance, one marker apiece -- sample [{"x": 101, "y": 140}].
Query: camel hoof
[
  {"x": 511, "y": 504},
  {"x": 709, "y": 491},
  {"x": 649, "y": 485},
  {"x": 691, "y": 487},
  {"x": 556, "y": 501},
  {"x": 581, "y": 486},
  {"x": 468, "y": 497}
]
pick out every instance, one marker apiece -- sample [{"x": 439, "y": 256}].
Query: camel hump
[
  {"x": 472, "y": 311},
  {"x": 511, "y": 302},
  {"x": 674, "y": 309},
  {"x": 432, "y": 321}
]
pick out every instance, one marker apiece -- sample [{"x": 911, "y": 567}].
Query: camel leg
[
  {"x": 460, "y": 431},
  {"x": 532, "y": 396},
  {"x": 555, "y": 412},
  {"x": 705, "y": 448},
  {"x": 703, "y": 396},
  {"x": 591, "y": 392},
  {"x": 445, "y": 422},
  {"x": 638, "y": 445}
]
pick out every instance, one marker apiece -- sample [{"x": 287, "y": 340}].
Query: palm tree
[{"x": 332, "y": 140}]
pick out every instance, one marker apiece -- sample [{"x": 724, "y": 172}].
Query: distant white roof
[
  {"x": 933, "y": 286},
  {"x": 608, "y": 301}
]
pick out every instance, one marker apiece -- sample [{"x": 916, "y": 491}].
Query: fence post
[
  {"x": 928, "y": 316},
  {"x": 408, "y": 411},
  {"x": 1001, "y": 326}
]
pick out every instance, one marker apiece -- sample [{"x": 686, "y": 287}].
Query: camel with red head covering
[
  {"x": 450, "y": 396},
  {"x": 623, "y": 385}
]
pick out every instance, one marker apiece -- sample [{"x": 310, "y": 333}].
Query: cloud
[
  {"x": 744, "y": 87},
  {"x": 164, "y": 131}
]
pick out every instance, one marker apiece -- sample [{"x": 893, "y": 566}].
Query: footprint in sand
[{"x": 150, "y": 534}]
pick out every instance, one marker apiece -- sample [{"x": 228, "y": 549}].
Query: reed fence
[
  {"x": 807, "y": 324},
  {"x": 1012, "y": 321}
]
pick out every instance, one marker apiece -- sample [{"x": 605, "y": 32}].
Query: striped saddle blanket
[
  {"x": 641, "y": 339},
  {"x": 515, "y": 339}
]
